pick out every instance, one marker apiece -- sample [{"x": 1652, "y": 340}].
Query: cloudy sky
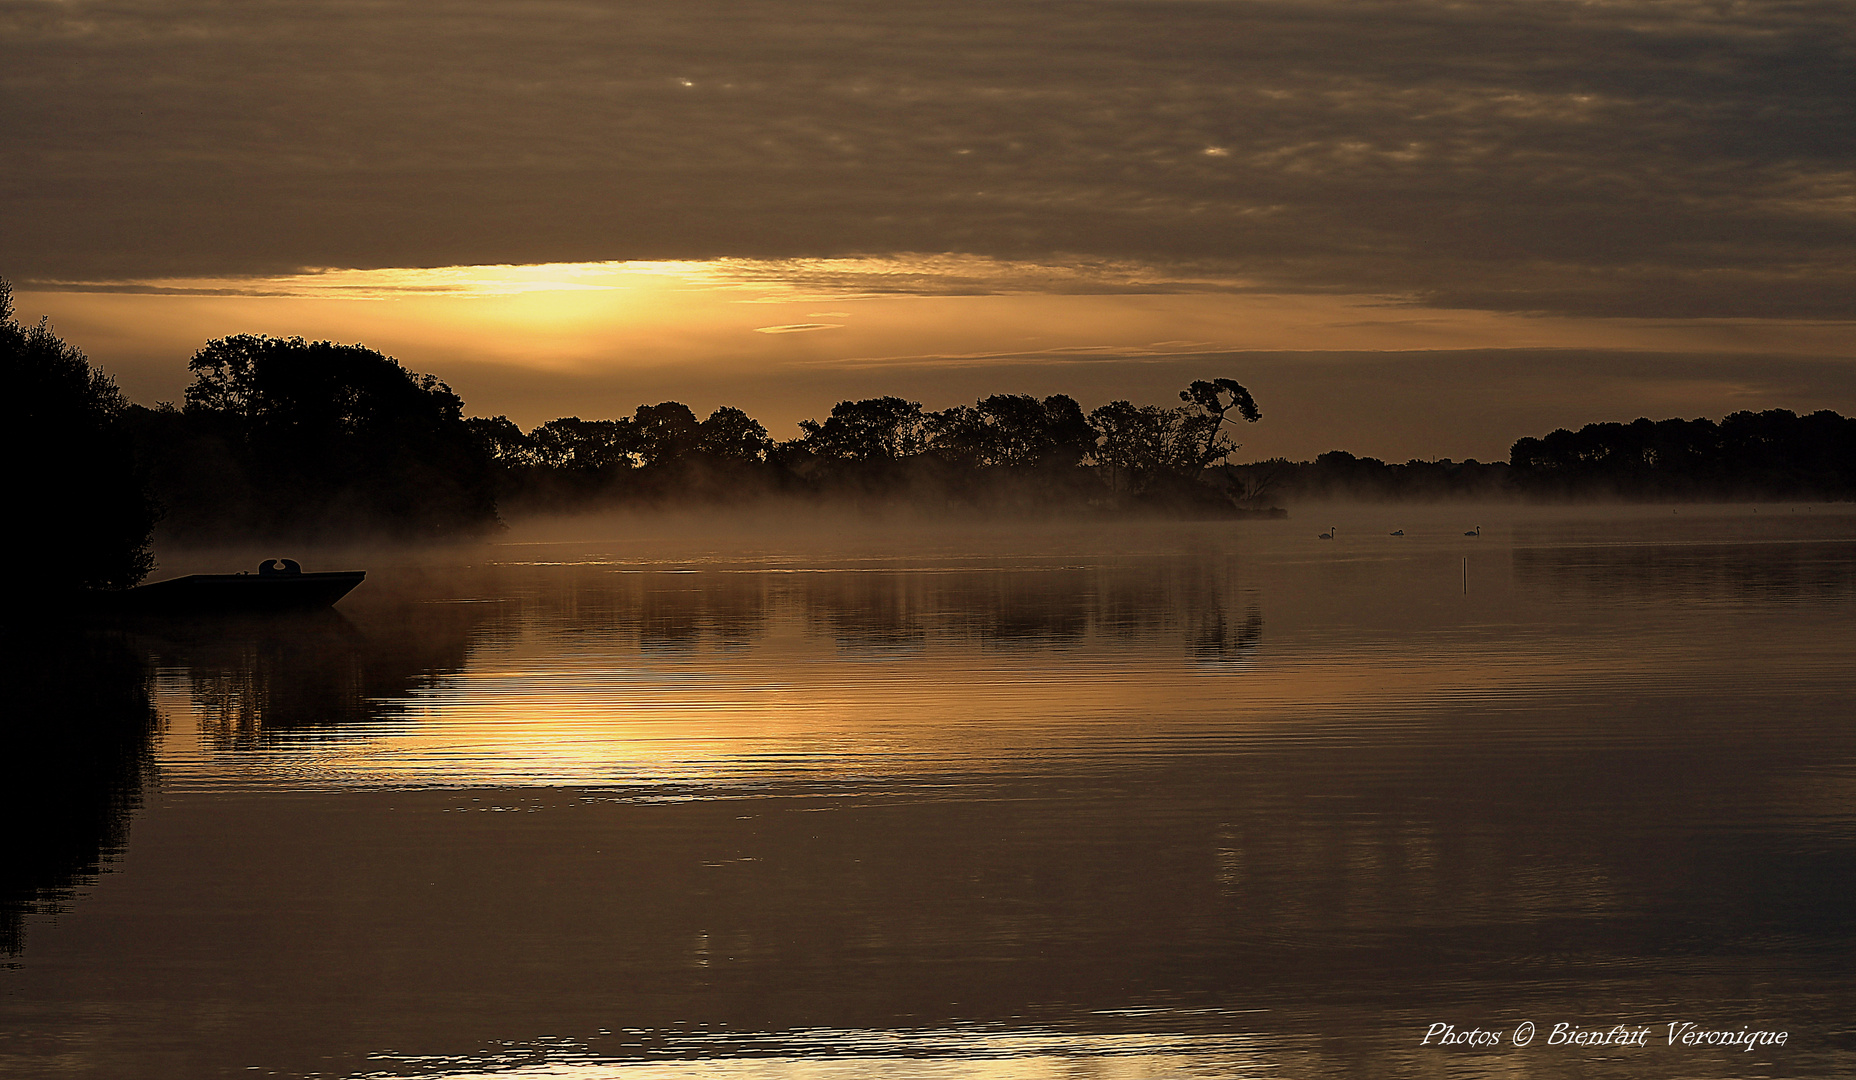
[{"x": 1412, "y": 228}]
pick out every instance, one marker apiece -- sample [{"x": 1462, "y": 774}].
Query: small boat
[{"x": 279, "y": 585}]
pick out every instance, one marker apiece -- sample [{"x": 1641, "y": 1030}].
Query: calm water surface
[{"x": 1209, "y": 799}]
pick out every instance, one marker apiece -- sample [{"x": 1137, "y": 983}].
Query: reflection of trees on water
[
  {"x": 314, "y": 669},
  {"x": 325, "y": 670},
  {"x": 1206, "y": 612},
  {"x": 876, "y": 610},
  {"x": 667, "y": 611},
  {"x": 1749, "y": 571},
  {"x": 679, "y": 610},
  {"x": 72, "y": 759},
  {"x": 1038, "y": 608},
  {"x": 1222, "y": 636}
]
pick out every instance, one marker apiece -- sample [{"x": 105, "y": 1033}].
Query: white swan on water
[
  {"x": 1329, "y": 535},
  {"x": 1477, "y": 531}
]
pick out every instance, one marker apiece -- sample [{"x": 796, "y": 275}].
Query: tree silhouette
[
  {"x": 334, "y": 435},
  {"x": 571, "y": 444},
  {"x": 875, "y": 429},
  {"x": 664, "y": 432},
  {"x": 731, "y": 434},
  {"x": 1144, "y": 443},
  {"x": 499, "y": 439},
  {"x": 79, "y": 515},
  {"x": 1211, "y": 395},
  {"x": 1748, "y": 455},
  {"x": 1012, "y": 431}
]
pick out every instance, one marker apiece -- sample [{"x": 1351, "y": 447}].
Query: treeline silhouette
[
  {"x": 287, "y": 439},
  {"x": 1775, "y": 454},
  {"x": 1005, "y": 451},
  {"x": 1748, "y": 456}
]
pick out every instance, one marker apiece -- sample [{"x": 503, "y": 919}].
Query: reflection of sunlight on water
[
  {"x": 766, "y": 714},
  {"x": 613, "y": 666},
  {"x": 1281, "y": 806},
  {"x": 689, "y": 724},
  {"x": 929, "y": 1055}
]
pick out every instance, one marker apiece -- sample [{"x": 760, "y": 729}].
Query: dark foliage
[
  {"x": 1013, "y": 431},
  {"x": 1774, "y": 454},
  {"x": 875, "y": 430},
  {"x": 282, "y": 437},
  {"x": 658, "y": 454},
  {"x": 1219, "y": 397},
  {"x": 1004, "y": 452},
  {"x": 1142, "y": 445},
  {"x": 79, "y": 516},
  {"x": 1747, "y": 456}
]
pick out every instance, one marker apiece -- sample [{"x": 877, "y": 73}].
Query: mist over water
[{"x": 868, "y": 797}]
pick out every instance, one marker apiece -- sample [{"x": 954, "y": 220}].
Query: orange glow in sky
[{"x": 785, "y": 340}]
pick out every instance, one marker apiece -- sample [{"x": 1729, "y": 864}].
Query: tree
[
  {"x": 499, "y": 439},
  {"x": 664, "y": 432},
  {"x": 1145, "y": 442},
  {"x": 571, "y": 444},
  {"x": 79, "y": 515},
  {"x": 876, "y": 429},
  {"x": 732, "y": 434},
  {"x": 1012, "y": 430},
  {"x": 1211, "y": 395},
  {"x": 335, "y": 436}
]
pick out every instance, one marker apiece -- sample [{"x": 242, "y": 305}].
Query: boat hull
[{"x": 241, "y": 592}]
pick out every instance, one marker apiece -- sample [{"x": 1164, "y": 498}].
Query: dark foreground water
[{"x": 1201, "y": 800}]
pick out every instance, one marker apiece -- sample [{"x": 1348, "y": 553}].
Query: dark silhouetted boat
[{"x": 279, "y": 585}]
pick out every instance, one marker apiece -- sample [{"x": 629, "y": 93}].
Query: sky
[{"x": 1413, "y": 229}]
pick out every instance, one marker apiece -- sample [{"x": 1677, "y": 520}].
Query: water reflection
[
  {"x": 661, "y": 610},
  {"x": 73, "y": 756},
  {"x": 880, "y": 610},
  {"x": 1242, "y": 808},
  {"x": 886, "y": 609},
  {"x": 252, "y": 675},
  {"x": 959, "y": 1053},
  {"x": 1223, "y": 636},
  {"x": 601, "y": 673},
  {"x": 1822, "y": 570}
]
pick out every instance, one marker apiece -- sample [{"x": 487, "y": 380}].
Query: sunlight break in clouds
[
  {"x": 1382, "y": 375},
  {"x": 621, "y": 200}
]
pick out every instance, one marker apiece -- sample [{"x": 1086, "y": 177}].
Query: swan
[
  {"x": 1477, "y": 531},
  {"x": 1329, "y": 535},
  {"x": 1398, "y": 532}
]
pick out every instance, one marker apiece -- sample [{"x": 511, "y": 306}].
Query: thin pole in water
[{"x": 1465, "y": 575}]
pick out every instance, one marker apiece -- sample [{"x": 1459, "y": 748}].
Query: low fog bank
[
  {"x": 789, "y": 533},
  {"x": 780, "y": 532},
  {"x": 1600, "y": 519}
]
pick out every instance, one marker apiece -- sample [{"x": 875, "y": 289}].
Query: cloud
[
  {"x": 1640, "y": 157},
  {"x": 397, "y": 282},
  {"x": 797, "y": 328}
]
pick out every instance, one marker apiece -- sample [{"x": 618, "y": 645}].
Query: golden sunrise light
[
  {"x": 576, "y": 338},
  {"x": 928, "y": 539}
]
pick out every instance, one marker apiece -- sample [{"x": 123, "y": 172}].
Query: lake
[{"x": 640, "y": 799}]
